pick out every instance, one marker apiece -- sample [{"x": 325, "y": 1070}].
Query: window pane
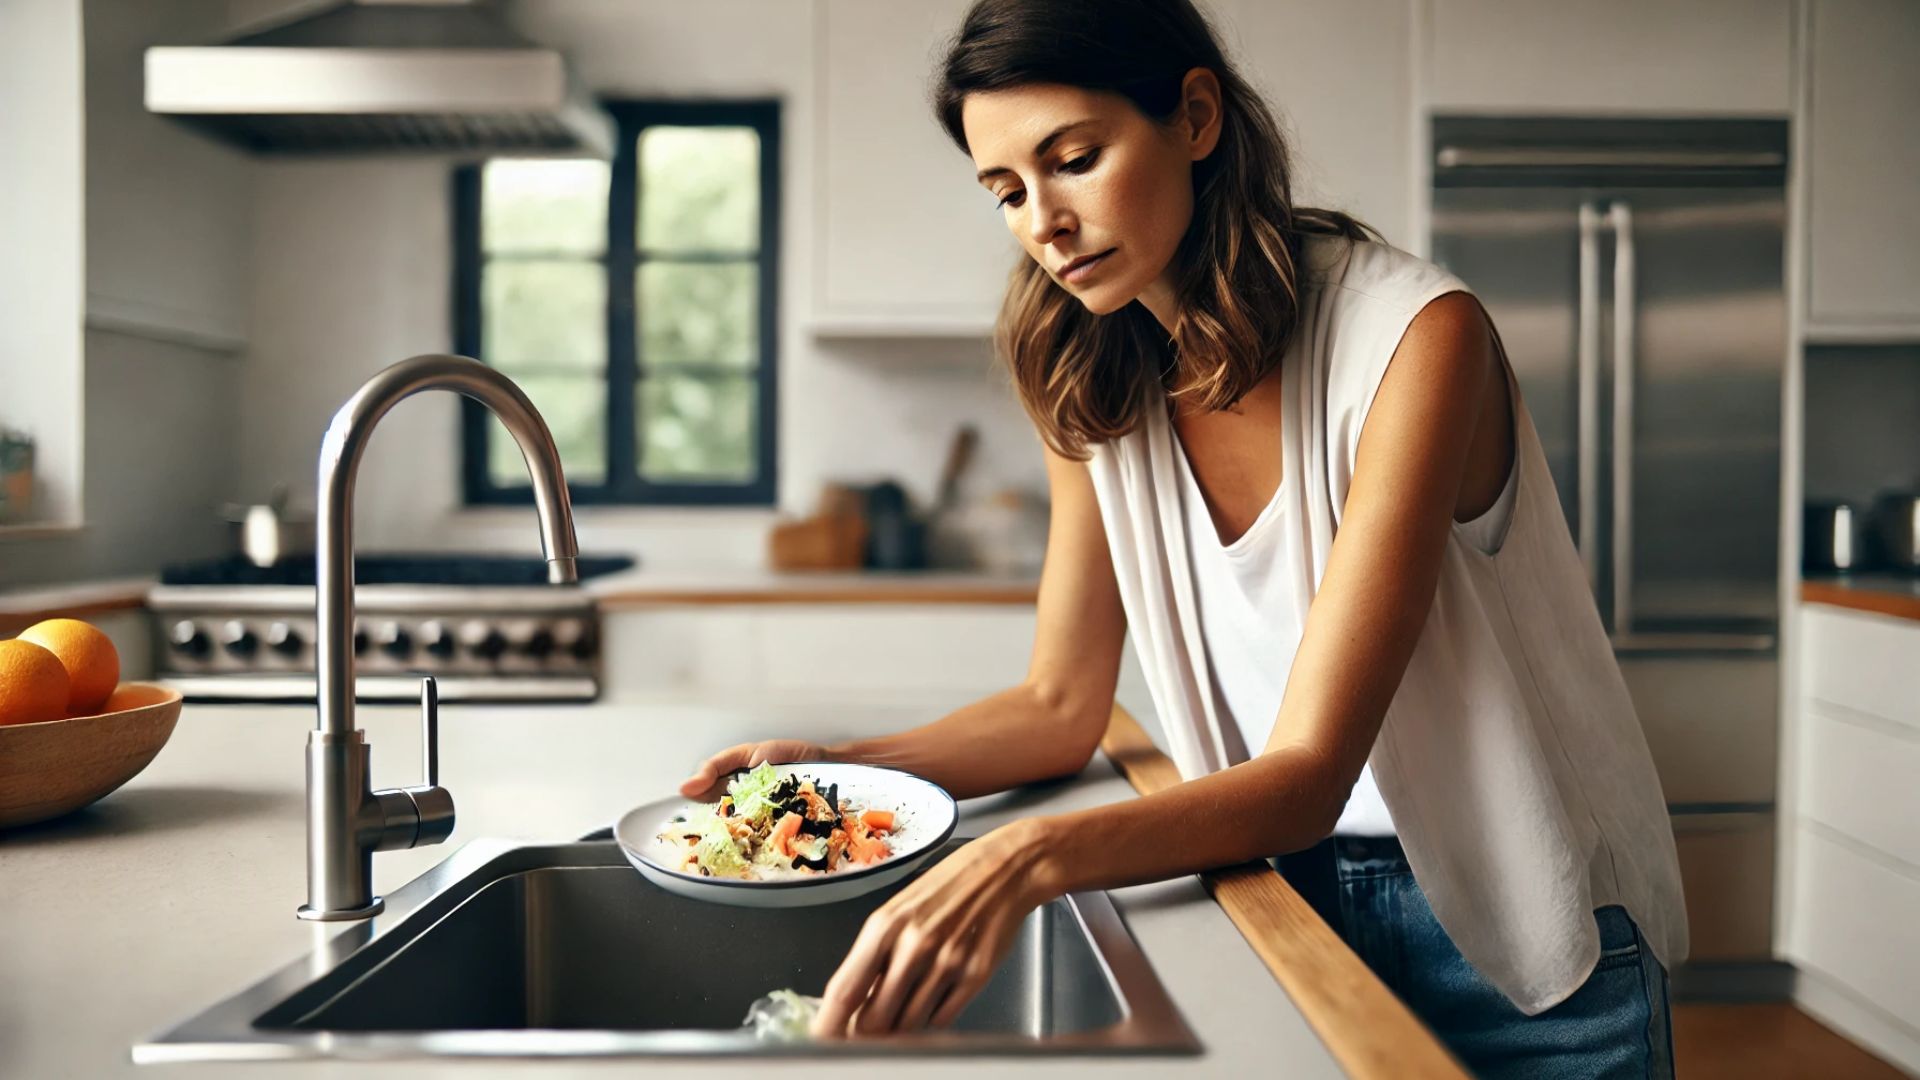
[
  {"x": 698, "y": 313},
  {"x": 696, "y": 429},
  {"x": 575, "y": 409},
  {"x": 556, "y": 206},
  {"x": 699, "y": 189},
  {"x": 544, "y": 315}
]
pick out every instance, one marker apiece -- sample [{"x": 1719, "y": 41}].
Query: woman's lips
[{"x": 1083, "y": 270}]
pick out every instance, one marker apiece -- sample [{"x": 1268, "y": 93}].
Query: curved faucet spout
[
  {"x": 340, "y": 453},
  {"x": 347, "y": 821}
]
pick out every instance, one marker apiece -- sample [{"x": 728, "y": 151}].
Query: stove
[{"x": 487, "y": 627}]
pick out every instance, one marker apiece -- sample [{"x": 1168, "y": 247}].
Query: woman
[{"x": 1294, "y": 461}]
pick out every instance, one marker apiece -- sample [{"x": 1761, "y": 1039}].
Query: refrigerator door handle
[
  {"x": 1625, "y": 305},
  {"x": 1587, "y": 422}
]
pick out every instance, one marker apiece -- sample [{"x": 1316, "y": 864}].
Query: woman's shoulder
[{"x": 1367, "y": 274}]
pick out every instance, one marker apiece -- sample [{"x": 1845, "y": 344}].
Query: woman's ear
[{"x": 1200, "y": 111}]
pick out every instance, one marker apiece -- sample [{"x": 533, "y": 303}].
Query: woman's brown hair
[{"x": 1087, "y": 378}]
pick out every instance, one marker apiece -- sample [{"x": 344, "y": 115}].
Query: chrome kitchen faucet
[{"x": 347, "y": 821}]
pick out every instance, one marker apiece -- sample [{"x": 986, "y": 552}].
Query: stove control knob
[
  {"x": 437, "y": 639},
  {"x": 539, "y": 644},
  {"x": 484, "y": 641},
  {"x": 284, "y": 639},
  {"x": 189, "y": 640},
  {"x": 238, "y": 640},
  {"x": 394, "y": 640},
  {"x": 575, "y": 638}
]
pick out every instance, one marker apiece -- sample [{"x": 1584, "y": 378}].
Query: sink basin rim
[{"x": 225, "y": 1031}]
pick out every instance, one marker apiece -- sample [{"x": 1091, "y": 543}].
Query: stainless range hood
[{"x": 381, "y": 76}]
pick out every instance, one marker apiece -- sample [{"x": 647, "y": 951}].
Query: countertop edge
[
  {"x": 638, "y": 589},
  {"x": 1368, "y": 1030},
  {"x": 633, "y": 598},
  {"x": 1862, "y": 597},
  {"x": 22, "y": 608}
]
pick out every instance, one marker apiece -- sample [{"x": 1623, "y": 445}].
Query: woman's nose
[{"x": 1047, "y": 218}]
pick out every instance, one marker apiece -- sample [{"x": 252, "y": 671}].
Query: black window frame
[{"x": 624, "y": 486}]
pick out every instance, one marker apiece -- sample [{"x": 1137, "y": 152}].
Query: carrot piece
[
  {"x": 783, "y": 832},
  {"x": 878, "y": 820},
  {"x": 865, "y": 848}
]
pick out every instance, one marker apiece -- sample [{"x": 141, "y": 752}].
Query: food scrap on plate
[{"x": 769, "y": 826}]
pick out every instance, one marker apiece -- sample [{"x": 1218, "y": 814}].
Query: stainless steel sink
[{"x": 513, "y": 949}]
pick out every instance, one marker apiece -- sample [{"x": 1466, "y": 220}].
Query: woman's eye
[
  {"x": 1012, "y": 199},
  {"x": 1082, "y": 163}
]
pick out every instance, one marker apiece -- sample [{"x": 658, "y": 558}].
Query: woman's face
[{"x": 1096, "y": 192}]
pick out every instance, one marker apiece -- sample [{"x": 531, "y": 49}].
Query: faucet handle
[
  {"x": 430, "y": 730},
  {"x": 433, "y": 803},
  {"x": 423, "y": 814}
]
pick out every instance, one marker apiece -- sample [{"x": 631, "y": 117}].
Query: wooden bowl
[{"x": 58, "y": 766}]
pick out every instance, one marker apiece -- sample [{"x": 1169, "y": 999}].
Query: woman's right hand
[{"x": 710, "y": 778}]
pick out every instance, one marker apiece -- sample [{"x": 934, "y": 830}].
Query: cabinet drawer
[
  {"x": 1862, "y": 781},
  {"x": 1710, "y": 724},
  {"x": 1726, "y": 870},
  {"x": 1862, "y": 661},
  {"x": 1855, "y": 921}
]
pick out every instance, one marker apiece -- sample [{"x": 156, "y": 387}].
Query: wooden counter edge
[
  {"x": 13, "y": 621},
  {"x": 1867, "y": 599},
  {"x": 1368, "y": 1030}
]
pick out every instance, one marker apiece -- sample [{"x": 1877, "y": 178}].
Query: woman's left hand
[{"x": 926, "y": 952}]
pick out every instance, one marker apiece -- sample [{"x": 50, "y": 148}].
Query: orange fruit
[
  {"x": 92, "y": 663},
  {"x": 133, "y": 696},
  {"x": 33, "y": 685}
]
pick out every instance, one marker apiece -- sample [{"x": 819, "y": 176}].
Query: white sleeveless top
[
  {"x": 1510, "y": 762},
  {"x": 1252, "y": 628}
]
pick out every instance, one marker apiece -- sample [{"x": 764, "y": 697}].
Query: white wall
[
  {"x": 352, "y": 269},
  {"x": 42, "y": 228},
  {"x": 165, "y": 248},
  {"x": 1862, "y": 420}
]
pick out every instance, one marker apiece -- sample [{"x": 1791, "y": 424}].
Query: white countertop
[{"x": 179, "y": 889}]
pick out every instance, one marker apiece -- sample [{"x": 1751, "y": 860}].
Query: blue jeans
[{"x": 1615, "y": 1025}]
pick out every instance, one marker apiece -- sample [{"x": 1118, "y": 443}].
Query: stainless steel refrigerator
[{"x": 1634, "y": 268}]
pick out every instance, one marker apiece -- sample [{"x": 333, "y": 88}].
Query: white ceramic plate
[{"x": 924, "y": 815}]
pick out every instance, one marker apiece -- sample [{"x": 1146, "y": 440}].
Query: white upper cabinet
[
  {"x": 1712, "y": 57},
  {"x": 169, "y": 211},
  {"x": 1338, "y": 77},
  {"x": 908, "y": 242},
  {"x": 1864, "y": 170}
]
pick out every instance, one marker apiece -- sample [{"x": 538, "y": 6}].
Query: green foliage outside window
[{"x": 544, "y": 318}]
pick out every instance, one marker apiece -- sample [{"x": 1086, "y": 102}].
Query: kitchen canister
[{"x": 1833, "y": 537}]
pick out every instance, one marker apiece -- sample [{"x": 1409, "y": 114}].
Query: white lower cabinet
[
  {"x": 947, "y": 654},
  {"x": 1857, "y": 922},
  {"x": 1853, "y": 921},
  {"x": 961, "y": 648}
]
